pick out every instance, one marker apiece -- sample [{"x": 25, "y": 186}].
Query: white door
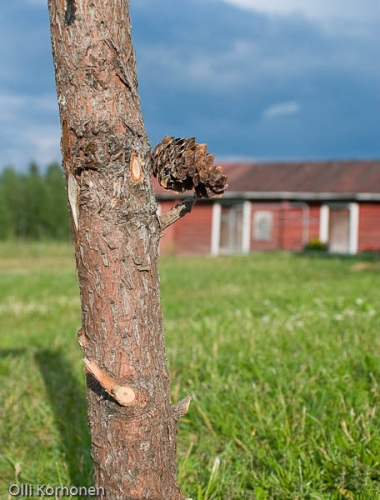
[{"x": 231, "y": 223}]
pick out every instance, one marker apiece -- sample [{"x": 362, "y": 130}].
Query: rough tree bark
[{"x": 107, "y": 165}]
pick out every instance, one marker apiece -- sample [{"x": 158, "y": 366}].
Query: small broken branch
[
  {"x": 181, "y": 408},
  {"x": 168, "y": 218},
  {"x": 123, "y": 394}
]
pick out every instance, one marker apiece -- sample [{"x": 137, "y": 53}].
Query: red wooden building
[{"x": 282, "y": 206}]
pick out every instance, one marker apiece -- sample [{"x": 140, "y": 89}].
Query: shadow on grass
[
  {"x": 68, "y": 400},
  {"x": 12, "y": 352}
]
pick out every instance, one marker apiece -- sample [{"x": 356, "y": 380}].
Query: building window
[{"x": 262, "y": 225}]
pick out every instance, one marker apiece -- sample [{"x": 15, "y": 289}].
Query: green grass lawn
[{"x": 280, "y": 354}]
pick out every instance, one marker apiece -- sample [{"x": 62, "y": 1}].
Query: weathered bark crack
[{"x": 70, "y": 12}]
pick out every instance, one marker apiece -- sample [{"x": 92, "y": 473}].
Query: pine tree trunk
[{"x": 106, "y": 159}]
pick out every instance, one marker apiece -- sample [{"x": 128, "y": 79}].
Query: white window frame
[{"x": 215, "y": 228}]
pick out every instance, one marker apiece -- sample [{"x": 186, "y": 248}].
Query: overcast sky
[{"x": 255, "y": 79}]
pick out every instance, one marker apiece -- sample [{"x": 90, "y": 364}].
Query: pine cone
[{"x": 181, "y": 165}]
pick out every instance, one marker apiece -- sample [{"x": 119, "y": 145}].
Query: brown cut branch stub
[
  {"x": 182, "y": 165},
  {"x": 123, "y": 394}
]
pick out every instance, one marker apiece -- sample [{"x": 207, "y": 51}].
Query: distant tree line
[{"x": 33, "y": 204}]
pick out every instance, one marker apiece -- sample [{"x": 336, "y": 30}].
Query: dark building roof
[{"x": 359, "y": 179}]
